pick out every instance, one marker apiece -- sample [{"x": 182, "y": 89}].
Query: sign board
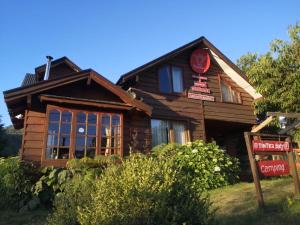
[
  {"x": 256, "y": 146},
  {"x": 201, "y": 97},
  {"x": 273, "y": 167},
  {"x": 275, "y": 146},
  {"x": 200, "y": 60}
]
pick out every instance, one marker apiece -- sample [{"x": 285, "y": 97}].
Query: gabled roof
[
  {"x": 21, "y": 93},
  {"x": 225, "y": 63},
  {"x": 40, "y": 70}
]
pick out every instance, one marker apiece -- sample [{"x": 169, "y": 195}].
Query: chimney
[{"x": 48, "y": 65}]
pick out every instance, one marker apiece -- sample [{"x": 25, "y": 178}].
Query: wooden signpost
[{"x": 266, "y": 145}]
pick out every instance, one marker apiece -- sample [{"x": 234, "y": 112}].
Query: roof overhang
[{"x": 17, "y": 99}]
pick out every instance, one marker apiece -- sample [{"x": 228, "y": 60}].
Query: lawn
[{"x": 237, "y": 204}]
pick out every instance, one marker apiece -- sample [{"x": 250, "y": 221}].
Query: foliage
[
  {"x": 276, "y": 74},
  {"x": 2, "y": 137},
  {"x": 16, "y": 179},
  {"x": 77, "y": 193},
  {"x": 13, "y": 139},
  {"x": 206, "y": 165},
  {"x": 144, "y": 190},
  {"x": 54, "y": 180}
]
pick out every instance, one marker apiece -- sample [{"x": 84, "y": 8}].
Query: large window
[
  {"x": 229, "y": 94},
  {"x": 59, "y": 130},
  {"x": 93, "y": 133},
  {"x": 166, "y": 131},
  {"x": 170, "y": 79}
]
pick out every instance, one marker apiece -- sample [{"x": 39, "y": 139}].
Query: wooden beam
[
  {"x": 262, "y": 125},
  {"x": 86, "y": 103},
  {"x": 253, "y": 166},
  {"x": 287, "y": 115}
]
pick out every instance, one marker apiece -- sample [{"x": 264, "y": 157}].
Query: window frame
[
  {"x": 61, "y": 162},
  {"x": 186, "y": 124},
  {"x": 171, "y": 72},
  {"x": 231, "y": 88}
]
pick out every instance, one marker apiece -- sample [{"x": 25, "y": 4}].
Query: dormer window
[
  {"x": 170, "y": 79},
  {"x": 229, "y": 94}
]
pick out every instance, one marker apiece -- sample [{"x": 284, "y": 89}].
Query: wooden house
[{"x": 194, "y": 92}]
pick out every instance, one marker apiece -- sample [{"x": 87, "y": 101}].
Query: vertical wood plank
[
  {"x": 253, "y": 165},
  {"x": 293, "y": 168}
]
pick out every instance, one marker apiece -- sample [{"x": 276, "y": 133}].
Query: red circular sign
[{"x": 200, "y": 60}]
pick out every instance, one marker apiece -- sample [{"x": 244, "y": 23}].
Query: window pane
[
  {"x": 51, "y": 153},
  {"x": 105, "y": 131},
  {"x": 179, "y": 132},
  {"x": 80, "y": 141},
  {"x": 90, "y": 152},
  {"x": 105, "y": 142},
  {"x": 165, "y": 79},
  {"x": 91, "y": 142},
  {"x": 160, "y": 132},
  {"x": 91, "y": 130},
  {"x": 225, "y": 92},
  {"x": 177, "y": 79},
  {"x": 105, "y": 121},
  {"x": 53, "y": 128},
  {"x": 66, "y": 117},
  {"x": 64, "y": 141},
  {"x": 81, "y": 129},
  {"x": 116, "y": 120},
  {"x": 79, "y": 152},
  {"x": 54, "y": 115},
  {"x": 65, "y": 128},
  {"x": 92, "y": 119},
  {"x": 115, "y": 131},
  {"x": 81, "y": 117},
  {"x": 52, "y": 140},
  {"x": 63, "y": 153}
]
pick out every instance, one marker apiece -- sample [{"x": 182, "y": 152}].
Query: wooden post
[
  {"x": 293, "y": 168},
  {"x": 254, "y": 170}
]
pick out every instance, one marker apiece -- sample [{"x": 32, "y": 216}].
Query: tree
[
  {"x": 2, "y": 136},
  {"x": 276, "y": 74}
]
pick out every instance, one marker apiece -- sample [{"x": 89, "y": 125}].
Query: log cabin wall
[
  {"x": 33, "y": 137},
  {"x": 194, "y": 112}
]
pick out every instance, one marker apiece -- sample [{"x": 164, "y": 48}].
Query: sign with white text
[
  {"x": 274, "y": 167},
  {"x": 272, "y": 146}
]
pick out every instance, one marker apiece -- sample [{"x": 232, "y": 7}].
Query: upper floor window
[
  {"x": 229, "y": 94},
  {"x": 170, "y": 79}
]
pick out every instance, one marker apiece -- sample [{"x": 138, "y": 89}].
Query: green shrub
[
  {"x": 78, "y": 193},
  {"x": 54, "y": 180},
  {"x": 16, "y": 180},
  {"x": 144, "y": 190},
  {"x": 206, "y": 165}
]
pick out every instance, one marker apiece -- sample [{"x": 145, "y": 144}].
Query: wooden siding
[
  {"x": 137, "y": 133},
  {"x": 33, "y": 137},
  {"x": 195, "y": 112}
]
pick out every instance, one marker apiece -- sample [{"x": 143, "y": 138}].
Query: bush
[
  {"x": 16, "y": 180},
  {"x": 75, "y": 189},
  {"x": 78, "y": 193},
  {"x": 54, "y": 180},
  {"x": 144, "y": 190},
  {"x": 206, "y": 165}
]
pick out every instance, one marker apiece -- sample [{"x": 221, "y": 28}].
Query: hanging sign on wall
[{"x": 200, "y": 62}]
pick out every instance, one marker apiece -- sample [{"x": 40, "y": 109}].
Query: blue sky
[{"x": 114, "y": 37}]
